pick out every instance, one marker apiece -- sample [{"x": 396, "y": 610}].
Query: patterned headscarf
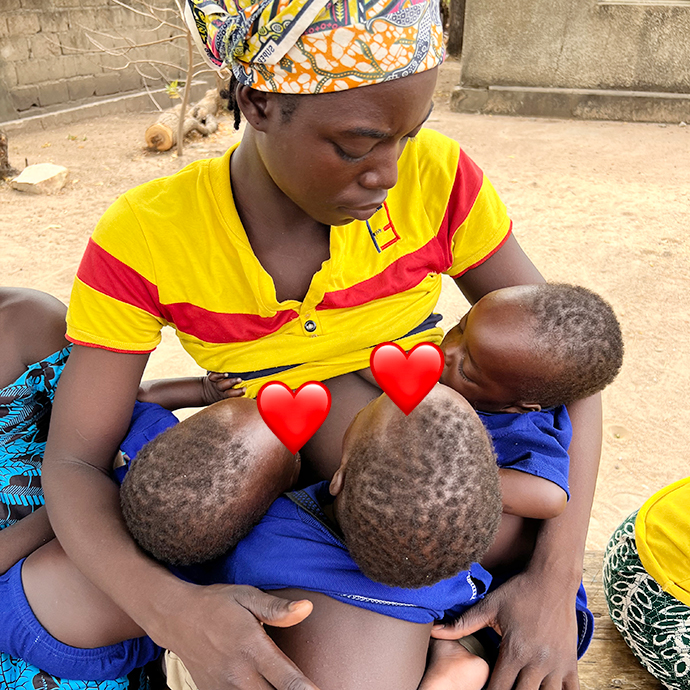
[{"x": 316, "y": 46}]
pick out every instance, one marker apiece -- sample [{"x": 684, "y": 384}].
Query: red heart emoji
[
  {"x": 407, "y": 377},
  {"x": 295, "y": 416}
]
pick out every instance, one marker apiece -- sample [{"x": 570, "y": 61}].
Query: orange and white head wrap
[{"x": 317, "y": 46}]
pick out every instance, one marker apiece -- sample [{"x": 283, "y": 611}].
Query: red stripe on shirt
[
  {"x": 110, "y": 276},
  {"x": 111, "y": 349},
  {"x": 403, "y": 274},
  {"x": 217, "y": 327},
  {"x": 466, "y": 187},
  {"x": 104, "y": 273}
]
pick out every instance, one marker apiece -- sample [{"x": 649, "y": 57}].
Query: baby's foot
[{"x": 452, "y": 667}]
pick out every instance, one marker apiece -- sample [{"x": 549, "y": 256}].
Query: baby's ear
[
  {"x": 521, "y": 408},
  {"x": 338, "y": 481}
]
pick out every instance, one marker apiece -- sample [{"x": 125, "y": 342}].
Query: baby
[
  {"x": 530, "y": 347},
  {"x": 34, "y": 354},
  {"x": 518, "y": 356},
  {"x": 410, "y": 511}
]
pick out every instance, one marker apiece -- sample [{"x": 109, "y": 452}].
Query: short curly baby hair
[{"x": 421, "y": 499}]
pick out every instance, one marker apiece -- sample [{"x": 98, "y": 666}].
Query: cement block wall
[
  {"x": 45, "y": 58},
  {"x": 633, "y": 47}
]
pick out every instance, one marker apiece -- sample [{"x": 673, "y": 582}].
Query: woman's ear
[{"x": 255, "y": 105}]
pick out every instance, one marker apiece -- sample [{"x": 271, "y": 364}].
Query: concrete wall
[
  {"x": 551, "y": 46},
  {"x": 43, "y": 66}
]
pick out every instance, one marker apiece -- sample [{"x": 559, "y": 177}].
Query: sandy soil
[{"x": 604, "y": 205}]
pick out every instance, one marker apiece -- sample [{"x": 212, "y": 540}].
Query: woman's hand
[
  {"x": 218, "y": 386},
  {"x": 216, "y": 633},
  {"x": 535, "y": 616}
]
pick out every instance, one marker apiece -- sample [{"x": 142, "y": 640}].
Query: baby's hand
[{"x": 217, "y": 386}]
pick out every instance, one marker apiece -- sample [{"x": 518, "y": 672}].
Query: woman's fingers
[
  {"x": 482, "y": 615},
  {"x": 505, "y": 672},
  {"x": 272, "y": 610},
  {"x": 225, "y": 647},
  {"x": 524, "y": 666}
]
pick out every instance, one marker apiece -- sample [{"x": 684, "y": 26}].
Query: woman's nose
[{"x": 383, "y": 173}]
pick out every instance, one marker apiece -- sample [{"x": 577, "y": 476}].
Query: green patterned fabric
[{"x": 655, "y": 625}]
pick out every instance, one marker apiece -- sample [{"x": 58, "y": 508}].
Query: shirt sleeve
[
  {"x": 534, "y": 442},
  {"x": 114, "y": 303},
  {"x": 477, "y": 222},
  {"x": 460, "y": 202}
]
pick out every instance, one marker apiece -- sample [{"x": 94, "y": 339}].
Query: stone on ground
[{"x": 42, "y": 178}]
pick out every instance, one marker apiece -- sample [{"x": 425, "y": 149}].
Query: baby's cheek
[{"x": 446, "y": 378}]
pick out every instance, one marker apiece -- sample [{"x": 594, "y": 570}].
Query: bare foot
[{"x": 452, "y": 667}]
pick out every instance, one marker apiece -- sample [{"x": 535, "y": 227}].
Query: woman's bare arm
[
  {"x": 213, "y": 629},
  {"x": 536, "y": 643},
  {"x": 507, "y": 267}
]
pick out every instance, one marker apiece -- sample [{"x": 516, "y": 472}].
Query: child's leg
[
  {"x": 70, "y": 607},
  {"x": 452, "y": 666},
  {"x": 79, "y": 614},
  {"x": 344, "y": 646}
]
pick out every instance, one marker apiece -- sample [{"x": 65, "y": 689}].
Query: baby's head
[
  {"x": 417, "y": 497},
  {"x": 194, "y": 491},
  {"x": 533, "y": 346}
]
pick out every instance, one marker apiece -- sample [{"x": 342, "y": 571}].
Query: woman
[{"x": 321, "y": 235}]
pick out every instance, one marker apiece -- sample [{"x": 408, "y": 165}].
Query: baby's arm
[
  {"x": 527, "y": 499},
  {"x": 529, "y": 496},
  {"x": 194, "y": 391},
  {"x": 24, "y": 537}
]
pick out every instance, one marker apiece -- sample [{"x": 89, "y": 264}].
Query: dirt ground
[{"x": 606, "y": 205}]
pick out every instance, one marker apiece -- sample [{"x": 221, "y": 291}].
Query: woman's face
[{"x": 336, "y": 156}]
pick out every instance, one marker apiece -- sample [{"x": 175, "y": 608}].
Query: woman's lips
[{"x": 361, "y": 212}]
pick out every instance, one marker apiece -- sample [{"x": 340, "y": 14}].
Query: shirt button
[{"x": 310, "y": 326}]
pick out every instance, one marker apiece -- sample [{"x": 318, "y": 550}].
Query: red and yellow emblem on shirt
[{"x": 381, "y": 229}]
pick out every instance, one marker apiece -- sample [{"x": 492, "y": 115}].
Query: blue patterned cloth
[
  {"x": 16, "y": 674},
  {"x": 25, "y": 407},
  {"x": 24, "y": 417}
]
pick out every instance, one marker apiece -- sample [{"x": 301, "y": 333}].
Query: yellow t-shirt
[
  {"x": 662, "y": 535},
  {"x": 174, "y": 252}
]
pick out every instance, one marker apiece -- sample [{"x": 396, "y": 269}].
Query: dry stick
[
  {"x": 187, "y": 91},
  {"x": 146, "y": 86},
  {"x": 149, "y": 14}
]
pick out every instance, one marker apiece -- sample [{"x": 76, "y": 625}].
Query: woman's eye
[{"x": 347, "y": 156}]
